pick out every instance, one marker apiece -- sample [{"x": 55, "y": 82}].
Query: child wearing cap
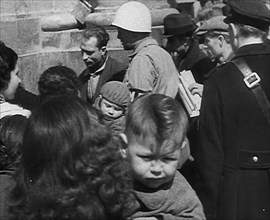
[
  {"x": 155, "y": 138},
  {"x": 112, "y": 102}
]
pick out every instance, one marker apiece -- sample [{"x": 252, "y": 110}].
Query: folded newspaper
[{"x": 191, "y": 102}]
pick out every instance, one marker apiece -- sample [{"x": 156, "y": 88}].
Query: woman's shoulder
[{"x": 12, "y": 109}]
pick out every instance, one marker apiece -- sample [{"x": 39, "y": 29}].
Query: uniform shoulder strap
[{"x": 252, "y": 81}]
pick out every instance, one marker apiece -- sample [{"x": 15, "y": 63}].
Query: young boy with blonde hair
[{"x": 156, "y": 138}]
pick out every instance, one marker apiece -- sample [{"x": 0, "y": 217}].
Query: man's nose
[{"x": 84, "y": 56}]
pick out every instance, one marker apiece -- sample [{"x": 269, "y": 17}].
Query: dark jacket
[
  {"x": 25, "y": 99},
  {"x": 198, "y": 62},
  {"x": 113, "y": 71},
  {"x": 6, "y": 184},
  {"x": 234, "y": 156}
]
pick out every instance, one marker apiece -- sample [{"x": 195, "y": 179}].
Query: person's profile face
[
  {"x": 213, "y": 46},
  {"x": 110, "y": 110},
  {"x": 126, "y": 38},
  {"x": 175, "y": 44},
  {"x": 151, "y": 168},
  {"x": 92, "y": 55},
  {"x": 13, "y": 84}
]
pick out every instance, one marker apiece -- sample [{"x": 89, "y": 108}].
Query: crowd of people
[{"x": 116, "y": 141}]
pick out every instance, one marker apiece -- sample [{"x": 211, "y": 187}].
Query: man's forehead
[{"x": 90, "y": 43}]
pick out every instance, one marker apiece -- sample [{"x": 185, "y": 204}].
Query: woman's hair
[
  {"x": 8, "y": 60},
  {"x": 11, "y": 135},
  {"x": 71, "y": 166},
  {"x": 58, "y": 80},
  {"x": 156, "y": 121}
]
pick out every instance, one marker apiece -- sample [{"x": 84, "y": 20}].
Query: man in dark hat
[
  {"x": 234, "y": 156},
  {"x": 179, "y": 30}
]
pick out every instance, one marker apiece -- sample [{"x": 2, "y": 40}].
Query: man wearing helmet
[{"x": 151, "y": 68}]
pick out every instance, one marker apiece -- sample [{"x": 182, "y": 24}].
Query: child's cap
[{"x": 116, "y": 93}]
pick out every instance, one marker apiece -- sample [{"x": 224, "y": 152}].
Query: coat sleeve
[{"x": 210, "y": 152}]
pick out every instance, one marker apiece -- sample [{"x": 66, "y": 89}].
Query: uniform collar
[
  {"x": 139, "y": 45},
  {"x": 252, "y": 49}
]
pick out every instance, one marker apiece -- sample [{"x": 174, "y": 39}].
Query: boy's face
[
  {"x": 150, "y": 168},
  {"x": 109, "y": 109}
]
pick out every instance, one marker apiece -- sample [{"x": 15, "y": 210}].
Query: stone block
[
  {"x": 75, "y": 62},
  {"x": 114, "y": 42},
  {"x": 9, "y": 33},
  {"x": 23, "y": 7},
  {"x": 28, "y": 34},
  {"x": 65, "y": 5},
  {"x": 29, "y": 66},
  {"x": 50, "y": 40},
  {"x": 75, "y": 38},
  {"x": 7, "y": 7},
  {"x": 110, "y": 3},
  {"x": 36, "y": 6}
]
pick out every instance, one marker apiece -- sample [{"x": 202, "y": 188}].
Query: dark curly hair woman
[
  {"x": 71, "y": 166},
  {"x": 9, "y": 82}
]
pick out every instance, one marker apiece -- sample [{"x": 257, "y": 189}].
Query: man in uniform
[
  {"x": 151, "y": 68},
  {"x": 234, "y": 156},
  {"x": 101, "y": 67}
]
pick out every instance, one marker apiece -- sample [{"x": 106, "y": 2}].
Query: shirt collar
[{"x": 98, "y": 71}]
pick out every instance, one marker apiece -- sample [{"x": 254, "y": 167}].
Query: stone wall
[{"x": 20, "y": 29}]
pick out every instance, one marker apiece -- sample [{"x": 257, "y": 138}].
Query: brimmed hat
[
  {"x": 178, "y": 24},
  {"x": 250, "y": 12},
  {"x": 116, "y": 93},
  {"x": 215, "y": 24}
]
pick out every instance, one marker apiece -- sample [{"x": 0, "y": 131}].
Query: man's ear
[
  {"x": 103, "y": 50},
  {"x": 221, "y": 41},
  {"x": 123, "y": 148}
]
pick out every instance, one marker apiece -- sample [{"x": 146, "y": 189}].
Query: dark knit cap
[
  {"x": 178, "y": 24},
  {"x": 250, "y": 12},
  {"x": 116, "y": 93}
]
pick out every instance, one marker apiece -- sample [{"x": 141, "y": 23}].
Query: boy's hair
[
  {"x": 99, "y": 33},
  {"x": 11, "y": 136},
  {"x": 8, "y": 60},
  {"x": 156, "y": 121},
  {"x": 58, "y": 80},
  {"x": 116, "y": 93},
  {"x": 71, "y": 165}
]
